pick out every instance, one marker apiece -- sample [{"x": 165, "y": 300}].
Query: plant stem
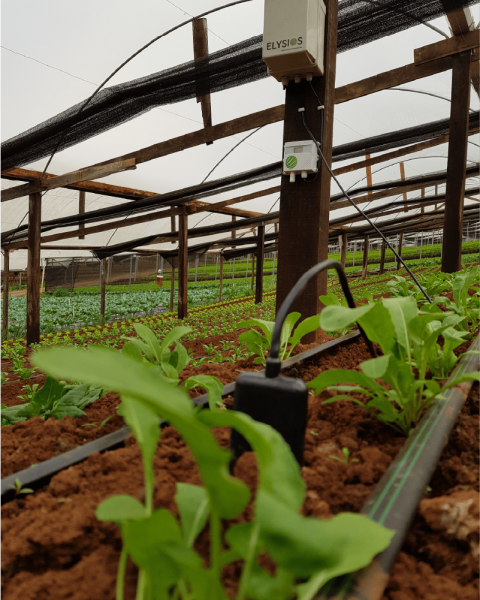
[
  {"x": 215, "y": 545},
  {"x": 141, "y": 584},
  {"x": 313, "y": 585},
  {"x": 122, "y": 567},
  {"x": 247, "y": 567}
]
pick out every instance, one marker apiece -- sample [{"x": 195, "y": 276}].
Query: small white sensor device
[
  {"x": 293, "y": 38},
  {"x": 300, "y": 157}
]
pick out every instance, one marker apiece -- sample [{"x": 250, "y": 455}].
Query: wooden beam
[
  {"x": 234, "y": 233},
  {"x": 459, "y": 43},
  {"x": 402, "y": 176},
  {"x": 397, "y": 153},
  {"x": 33, "y": 268},
  {"x": 365, "y": 256},
  {"x": 81, "y": 211},
  {"x": 382, "y": 257},
  {"x": 6, "y": 291},
  {"x": 457, "y": 160},
  {"x": 389, "y": 79},
  {"x": 221, "y": 278},
  {"x": 368, "y": 169},
  {"x": 253, "y": 274},
  {"x": 107, "y": 189},
  {"x": 260, "y": 257},
  {"x": 304, "y": 213},
  {"x": 172, "y": 288},
  {"x": 200, "y": 53},
  {"x": 46, "y": 184},
  {"x": 343, "y": 250},
  {"x": 103, "y": 283},
  {"x": 399, "y": 249},
  {"x": 209, "y": 134},
  {"x": 182, "y": 265}
]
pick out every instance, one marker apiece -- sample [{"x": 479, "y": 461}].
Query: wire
[
  {"x": 372, "y": 224},
  {"x": 397, "y": 89},
  {"x": 87, "y": 102},
  {"x": 187, "y": 13},
  {"x": 230, "y": 151}
]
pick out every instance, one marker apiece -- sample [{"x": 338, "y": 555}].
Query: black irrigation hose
[
  {"x": 273, "y": 362},
  {"x": 39, "y": 475},
  {"x": 397, "y": 495}
]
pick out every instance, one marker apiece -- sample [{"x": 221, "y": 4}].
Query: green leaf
[
  {"x": 376, "y": 367},
  {"x": 335, "y": 318},
  {"x": 306, "y": 326},
  {"x": 147, "y": 335},
  {"x": 212, "y": 384},
  {"x": 337, "y": 376},
  {"x": 287, "y": 328},
  {"x": 16, "y": 414},
  {"x": 329, "y": 300},
  {"x": 117, "y": 509},
  {"x": 130, "y": 349},
  {"x": 305, "y": 546},
  {"x": 238, "y": 538},
  {"x": 172, "y": 336},
  {"x": 265, "y": 326},
  {"x": 51, "y": 390},
  {"x": 179, "y": 358},
  {"x": 193, "y": 506},
  {"x": 279, "y": 471},
  {"x": 113, "y": 370},
  {"x": 378, "y": 326},
  {"x": 402, "y": 311}
]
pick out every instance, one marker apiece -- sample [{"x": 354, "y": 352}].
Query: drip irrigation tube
[
  {"x": 39, "y": 475},
  {"x": 396, "y": 497}
]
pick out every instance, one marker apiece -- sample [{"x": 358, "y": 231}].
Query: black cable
[
  {"x": 398, "y": 257},
  {"x": 273, "y": 362}
]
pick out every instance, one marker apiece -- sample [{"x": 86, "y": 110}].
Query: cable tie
[
  {"x": 300, "y": 110},
  {"x": 321, "y": 107}
]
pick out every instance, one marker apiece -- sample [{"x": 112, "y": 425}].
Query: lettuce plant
[
  {"x": 169, "y": 364},
  {"x": 260, "y": 344},
  {"x": 408, "y": 339},
  {"x": 306, "y": 549},
  {"x": 54, "y": 399}
]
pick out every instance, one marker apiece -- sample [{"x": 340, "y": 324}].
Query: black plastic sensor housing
[{"x": 280, "y": 402}]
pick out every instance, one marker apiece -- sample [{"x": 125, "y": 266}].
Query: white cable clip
[
  {"x": 301, "y": 110},
  {"x": 321, "y": 107}
]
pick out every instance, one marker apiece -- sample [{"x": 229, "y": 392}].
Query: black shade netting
[
  {"x": 359, "y": 22},
  {"x": 251, "y": 250}
]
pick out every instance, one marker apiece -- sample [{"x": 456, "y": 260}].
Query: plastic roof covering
[{"x": 60, "y": 202}]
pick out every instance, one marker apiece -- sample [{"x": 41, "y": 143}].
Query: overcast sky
[{"x": 83, "y": 44}]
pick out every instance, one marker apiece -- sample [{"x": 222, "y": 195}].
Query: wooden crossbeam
[
  {"x": 69, "y": 178},
  {"x": 200, "y": 52},
  {"x": 454, "y": 45}
]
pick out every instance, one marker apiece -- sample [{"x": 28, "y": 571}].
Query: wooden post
[
  {"x": 103, "y": 283},
  {"x": 402, "y": 175},
  {"x": 253, "y": 274},
  {"x": 423, "y": 196},
  {"x": 399, "y": 249},
  {"x": 182, "y": 265},
  {"x": 172, "y": 289},
  {"x": 304, "y": 213},
  {"x": 368, "y": 168},
  {"x": 221, "y": 279},
  {"x": 81, "y": 211},
  {"x": 343, "y": 255},
  {"x": 365, "y": 257},
  {"x": 200, "y": 53},
  {"x": 33, "y": 268},
  {"x": 6, "y": 291},
  {"x": 457, "y": 159},
  {"x": 260, "y": 253},
  {"x": 234, "y": 231},
  {"x": 382, "y": 257},
  {"x": 173, "y": 226}
]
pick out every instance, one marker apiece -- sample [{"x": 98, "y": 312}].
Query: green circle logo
[
  {"x": 293, "y": 41},
  {"x": 291, "y": 162}
]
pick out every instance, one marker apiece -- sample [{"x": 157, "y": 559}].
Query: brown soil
[{"x": 440, "y": 556}]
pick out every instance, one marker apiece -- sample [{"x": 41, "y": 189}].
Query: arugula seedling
[
  {"x": 98, "y": 426},
  {"x": 345, "y": 459},
  {"x": 19, "y": 489}
]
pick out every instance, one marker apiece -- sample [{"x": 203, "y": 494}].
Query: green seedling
[
  {"x": 98, "y": 426},
  {"x": 19, "y": 489},
  {"x": 209, "y": 348},
  {"x": 259, "y": 344},
  {"x": 303, "y": 549},
  {"x": 345, "y": 458},
  {"x": 30, "y": 392},
  {"x": 407, "y": 341},
  {"x": 4, "y": 377}
]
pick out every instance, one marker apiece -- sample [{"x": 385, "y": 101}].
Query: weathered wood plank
[
  {"x": 81, "y": 211},
  {"x": 200, "y": 53},
  {"x": 260, "y": 259},
  {"x": 366, "y": 240},
  {"x": 6, "y": 291},
  {"x": 182, "y": 265},
  {"x": 69, "y": 178},
  {"x": 33, "y": 268},
  {"x": 459, "y": 43}
]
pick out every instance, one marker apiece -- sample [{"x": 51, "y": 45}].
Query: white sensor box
[
  {"x": 293, "y": 37},
  {"x": 300, "y": 157}
]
